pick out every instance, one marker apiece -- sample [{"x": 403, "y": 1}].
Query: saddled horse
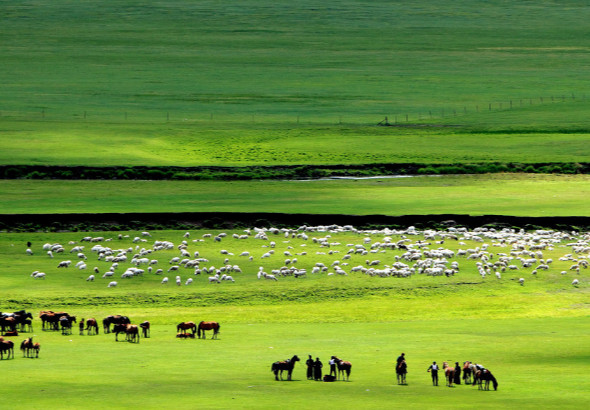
[
  {"x": 468, "y": 369},
  {"x": 449, "y": 373},
  {"x": 287, "y": 365},
  {"x": 6, "y": 346},
  {"x": 91, "y": 326},
  {"x": 484, "y": 376},
  {"x": 401, "y": 370},
  {"x": 184, "y": 326},
  {"x": 208, "y": 326},
  {"x": 344, "y": 368},
  {"x": 145, "y": 328}
]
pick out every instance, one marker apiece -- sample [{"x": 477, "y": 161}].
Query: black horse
[
  {"x": 287, "y": 365},
  {"x": 484, "y": 376},
  {"x": 401, "y": 370},
  {"x": 66, "y": 324}
]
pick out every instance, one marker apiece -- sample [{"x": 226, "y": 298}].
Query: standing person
[
  {"x": 317, "y": 369},
  {"x": 457, "y": 373},
  {"x": 433, "y": 369},
  {"x": 333, "y": 366},
  {"x": 309, "y": 364},
  {"x": 400, "y": 359}
]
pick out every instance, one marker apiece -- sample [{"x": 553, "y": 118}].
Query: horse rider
[
  {"x": 401, "y": 358},
  {"x": 309, "y": 364},
  {"x": 433, "y": 369}
]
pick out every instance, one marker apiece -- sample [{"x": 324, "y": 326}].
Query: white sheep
[
  {"x": 521, "y": 281},
  {"x": 164, "y": 281},
  {"x": 90, "y": 278},
  {"x": 189, "y": 281},
  {"x": 112, "y": 284},
  {"x": 575, "y": 282}
]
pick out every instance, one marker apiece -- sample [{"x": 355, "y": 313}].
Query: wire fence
[{"x": 411, "y": 115}]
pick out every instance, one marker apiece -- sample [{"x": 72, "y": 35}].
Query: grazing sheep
[
  {"x": 90, "y": 278},
  {"x": 112, "y": 284},
  {"x": 521, "y": 281},
  {"x": 575, "y": 282},
  {"x": 189, "y": 281},
  {"x": 164, "y": 280}
]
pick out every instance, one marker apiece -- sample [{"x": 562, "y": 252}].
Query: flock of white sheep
[{"x": 275, "y": 254}]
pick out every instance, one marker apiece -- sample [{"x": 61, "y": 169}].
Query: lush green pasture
[
  {"x": 495, "y": 194},
  {"x": 533, "y": 337},
  {"x": 259, "y": 82},
  {"x": 191, "y": 144}
]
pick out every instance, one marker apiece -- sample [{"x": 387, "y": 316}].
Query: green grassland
[
  {"x": 257, "y": 82},
  {"x": 492, "y": 194},
  {"x": 533, "y": 337}
]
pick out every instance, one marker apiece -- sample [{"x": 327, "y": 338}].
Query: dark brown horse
[
  {"x": 91, "y": 326},
  {"x": 208, "y": 326},
  {"x": 145, "y": 328},
  {"x": 114, "y": 320},
  {"x": 484, "y": 376},
  {"x": 287, "y": 365},
  {"x": 401, "y": 370},
  {"x": 184, "y": 326},
  {"x": 344, "y": 368},
  {"x": 6, "y": 346}
]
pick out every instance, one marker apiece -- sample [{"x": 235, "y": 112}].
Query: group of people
[
  {"x": 314, "y": 368},
  {"x": 433, "y": 369}
]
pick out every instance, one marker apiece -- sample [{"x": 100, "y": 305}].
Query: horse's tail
[{"x": 217, "y": 328}]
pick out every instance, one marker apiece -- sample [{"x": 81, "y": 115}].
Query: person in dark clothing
[
  {"x": 400, "y": 359},
  {"x": 433, "y": 369},
  {"x": 457, "y": 373},
  {"x": 317, "y": 369},
  {"x": 29, "y": 244},
  {"x": 309, "y": 364}
]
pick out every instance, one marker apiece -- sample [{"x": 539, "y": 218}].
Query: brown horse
[
  {"x": 344, "y": 368},
  {"x": 91, "y": 326},
  {"x": 484, "y": 376},
  {"x": 115, "y": 320},
  {"x": 6, "y": 346},
  {"x": 287, "y": 365},
  {"x": 208, "y": 326},
  {"x": 36, "y": 347},
  {"x": 66, "y": 324},
  {"x": 132, "y": 333},
  {"x": 449, "y": 373},
  {"x": 26, "y": 345},
  {"x": 145, "y": 328},
  {"x": 184, "y": 326}
]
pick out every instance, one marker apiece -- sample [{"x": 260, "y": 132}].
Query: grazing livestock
[
  {"x": 112, "y": 284},
  {"x": 90, "y": 278},
  {"x": 208, "y": 326},
  {"x": 345, "y": 367},
  {"x": 184, "y": 326},
  {"x": 6, "y": 346},
  {"x": 145, "y": 329},
  {"x": 91, "y": 326},
  {"x": 114, "y": 320}
]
